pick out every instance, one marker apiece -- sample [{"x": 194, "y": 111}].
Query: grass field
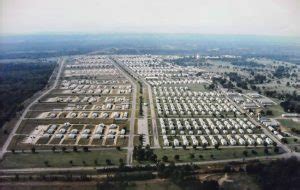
[
  {"x": 198, "y": 87},
  {"x": 289, "y": 123},
  {"x": 292, "y": 140},
  {"x": 193, "y": 87},
  {"x": 206, "y": 155},
  {"x": 60, "y": 159},
  {"x": 276, "y": 110}
]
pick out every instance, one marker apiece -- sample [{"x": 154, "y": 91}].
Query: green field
[
  {"x": 59, "y": 159},
  {"x": 277, "y": 110},
  {"x": 225, "y": 153},
  {"x": 192, "y": 87},
  {"x": 292, "y": 140},
  {"x": 289, "y": 123},
  {"x": 198, "y": 87},
  {"x": 206, "y": 155}
]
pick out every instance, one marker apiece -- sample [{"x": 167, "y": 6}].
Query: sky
[{"x": 254, "y": 17}]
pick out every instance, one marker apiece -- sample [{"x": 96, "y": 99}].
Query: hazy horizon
[{"x": 228, "y": 17}]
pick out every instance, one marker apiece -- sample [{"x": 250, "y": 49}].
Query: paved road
[
  {"x": 11, "y": 135},
  {"x": 266, "y": 131},
  {"x": 143, "y": 126},
  {"x": 153, "y": 115},
  {"x": 132, "y": 118},
  {"x": 89, "y": 168}
]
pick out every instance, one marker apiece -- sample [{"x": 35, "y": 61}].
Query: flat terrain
[
  {"x": 96, "y": 101},
  {"x": 289, "y": 123},
  {"x": 210, "y": 154},
  {"x": 60, "y": 159}
]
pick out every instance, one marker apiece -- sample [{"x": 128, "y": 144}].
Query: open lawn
[
  {"x": 289, "y": 123},
  {"x": 277, "y": 110},
  {"x": 60, "y": 159},
  {"x": 210, "y": 154},
  {"x": 292, "y": 140},
  {"x": 198, "y": 87}
]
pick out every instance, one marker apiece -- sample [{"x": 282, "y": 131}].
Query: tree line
[{"x": 18, "y": 82}]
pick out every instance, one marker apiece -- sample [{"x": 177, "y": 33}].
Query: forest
[
  {"x": 18, "y": 82},
  {"x": 276, "y": 175}
]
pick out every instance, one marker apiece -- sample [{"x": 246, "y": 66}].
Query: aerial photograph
[{"x": 150, "y": 94}]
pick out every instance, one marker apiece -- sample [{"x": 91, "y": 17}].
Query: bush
[
  {"x": 192, "y": 156},
  {"x": 165, "y": 159},
  {"x": 108, "y": 162}
]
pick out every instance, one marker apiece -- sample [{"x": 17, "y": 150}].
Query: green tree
[
  {"x": 266, "y": 151},
  {"x": 75, "y": 149},
  {"x": 121, "y": 163},
  {"x": 165, "y": 158},
  {"x": 33, "y": 149},
  {"x": 85, "y": 149},
  {"x": 108, "y": 162},
  {"x": 192, "y": 155},
  {"x": 217, "y": 146},
  {"x": 46, "y": 162},
  {"x": 276, "y": 149},
  {"x": 53, "y": 148},
  {"x": 141, "y": 139},
  {"x": 63, "y": 149}
]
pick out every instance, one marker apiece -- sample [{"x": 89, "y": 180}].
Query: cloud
[{"x": 267, "y": 17}]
